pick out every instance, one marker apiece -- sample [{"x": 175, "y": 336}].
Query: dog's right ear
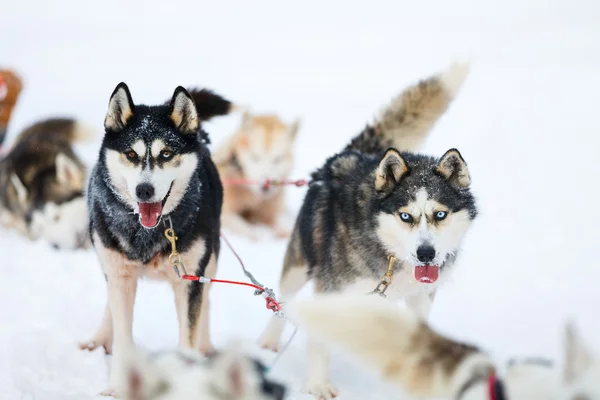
[
  {"x": 20, "y": 189},
  {"x": 120, "y": 109},
  {"x": 390, "y": 171},
  {"x": 140, "y": 379}
]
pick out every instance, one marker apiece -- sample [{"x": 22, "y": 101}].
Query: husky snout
[
  {"x": 144, "y": 191},
  {"x": 425, "y": 253}
]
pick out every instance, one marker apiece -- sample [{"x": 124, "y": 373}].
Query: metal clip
[
  {"x": 386, "y": 280},
  {"x": 174, "y": 257}
]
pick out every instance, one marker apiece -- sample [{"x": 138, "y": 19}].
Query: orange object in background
[{"x": 10, "y": 88}]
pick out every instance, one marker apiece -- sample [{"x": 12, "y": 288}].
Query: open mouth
[
  {"x": 151, "y": 213},
  {"x": 427, "y": 273}
]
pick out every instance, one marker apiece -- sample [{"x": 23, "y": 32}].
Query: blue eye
[
  {"x": 406, "y": 217},
  {"x": 440, "y": 215}
]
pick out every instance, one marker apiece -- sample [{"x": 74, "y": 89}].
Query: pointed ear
[
  {"x": 140, "y": 379},
  {"x": 390, "y": 171},
  {"x": 577, "y": 356},
  {"x": 68, "y": 172},
  {"x": 183, "y": 111},
  {"x": 233, "y": 374},
  {"x": 19, "y": 188},
  {"x": 454, "y": 168},
  {"x": 120, "y": 109},
  {"x": 294, "y": 128}
]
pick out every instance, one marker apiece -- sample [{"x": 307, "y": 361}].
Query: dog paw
[
  {"x": 206, "y": 349},
  {"x": 322, "y": 390},
  {"x": 93, "y": 344},
  {"x": 282, "y": 233}
]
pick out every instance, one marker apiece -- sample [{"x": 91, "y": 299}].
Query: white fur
[
  {"x": 64, "y": 226},
  {"x": 185, "y": 375},
  {"x": 126, "y": 177},
  {"x": 403, "y": 240}
]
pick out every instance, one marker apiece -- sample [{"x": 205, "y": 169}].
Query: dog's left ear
[
  {"x": 183, "y": 111},
  {"x": 390, "y": 171},
  {"x": 294, "y": 128},
  {"x": 68, "y": 172},
  {"x": 233, "y": 374},
  {"x": 454, "y": 168},
  {"x": 577, "y": 357}
]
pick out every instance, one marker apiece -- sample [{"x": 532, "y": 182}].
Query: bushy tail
[
  {"x": 210, "y": 104},
  {"x": 68, "y": 129},
  {"x": 392, "y": 342},
  {"x": 406, "y": 121}
]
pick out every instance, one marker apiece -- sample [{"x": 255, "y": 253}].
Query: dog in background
[
  {"x": 10, "y": 88},
  {"x": 184, "y": 375},
  {"x": 42, "y": 184},
  {"x": 377, "y": 217},
  {"x": 155, "y": 171},
  {"x": 261, "y": 149},
  {"x": 404, "y": 350}
]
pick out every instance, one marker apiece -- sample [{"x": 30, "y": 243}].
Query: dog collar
[{"x": 495, "y": 388}]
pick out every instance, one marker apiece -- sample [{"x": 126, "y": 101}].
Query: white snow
[{"x": 526, "y": 123}]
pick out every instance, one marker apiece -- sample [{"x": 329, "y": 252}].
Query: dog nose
[
  {"x": 425, "y": 253},
  {"x": 144, "y": 191}
]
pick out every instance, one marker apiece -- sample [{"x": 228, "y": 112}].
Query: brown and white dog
[
  {"x": 404, "y": 350},
  {"x": 10, "y": 89},
  {"x": 262, "y": 148}
]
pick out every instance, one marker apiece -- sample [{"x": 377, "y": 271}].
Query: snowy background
[{"x": 526, "y": 122}]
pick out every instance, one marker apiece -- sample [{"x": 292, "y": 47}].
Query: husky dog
[
  {"x": 404, "y": 350},
  {"x": 154, "y": 166},
  {"x": 184, "y": 374},
  {"x": 372, "y": 202},
  {"x": 10, "y": 88},
  {"x": 42, "y": 182},
  {"x": 261, "y": 149}
]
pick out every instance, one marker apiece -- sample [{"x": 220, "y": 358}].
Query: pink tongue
[
  {"x": 427, "y": 273},
  {"x": 149, "y": 213}
]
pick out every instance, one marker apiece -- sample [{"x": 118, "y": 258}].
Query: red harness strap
[{"x": 495, "y": 388}]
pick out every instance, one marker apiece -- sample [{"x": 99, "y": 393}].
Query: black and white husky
[{"x": 154, "y": 166}]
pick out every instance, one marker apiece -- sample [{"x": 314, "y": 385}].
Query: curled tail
[
  {"x": 406, "y": 121},
  {"x": 210, "y": 104}
]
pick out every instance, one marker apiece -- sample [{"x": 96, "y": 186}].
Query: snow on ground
[{"x": 526, "y": 122}]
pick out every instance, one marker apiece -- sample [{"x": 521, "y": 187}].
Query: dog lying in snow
[
  {"x": 185, "y": 375},
  {"x": 407, "y": 352}
]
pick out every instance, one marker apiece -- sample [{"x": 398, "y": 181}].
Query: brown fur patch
[{"x": 14, "y": 87}]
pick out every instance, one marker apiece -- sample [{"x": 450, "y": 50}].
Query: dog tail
[
  {"x": 210, "y": 104},
  {"x": 393, "y": 342},
  {"x": 405, "y": 123}
]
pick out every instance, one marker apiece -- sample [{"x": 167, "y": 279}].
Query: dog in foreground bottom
[{"x": 404, "y": 350}]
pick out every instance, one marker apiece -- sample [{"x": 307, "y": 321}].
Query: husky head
[
  {"x": 425, "y": 208},
  {"x": 186, "y": 375},
  {"x": 263, "y": 149},
  {"x": 48, "y": 202},
  {"x": 151, "y": 152}
]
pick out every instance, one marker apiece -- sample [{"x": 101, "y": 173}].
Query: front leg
[
  {"x": 421, "y": 303},
  {"x": 192, "y": 299},
  {"x": 317, "y": 382},
  {"x": 122, "y": 286}
]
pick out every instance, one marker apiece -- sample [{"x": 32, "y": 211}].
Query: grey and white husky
[
  {"x": 404, "y": 350},
  {"x": 376, "y": 216},
  {"x": 154, "y": 165}
]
